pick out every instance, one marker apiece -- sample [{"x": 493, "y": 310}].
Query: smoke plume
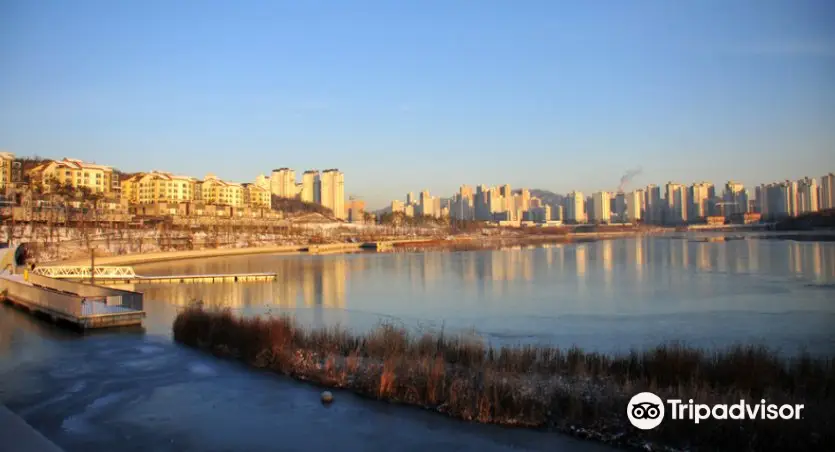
[{"x": 626, "y": 178}]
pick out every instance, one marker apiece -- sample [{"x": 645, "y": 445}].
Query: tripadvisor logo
[{"x": 646, "y": 411}]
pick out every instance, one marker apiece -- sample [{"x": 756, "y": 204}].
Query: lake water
[
  {"x": 610, "y": 295},
  {"x": 144, "y": 392}
]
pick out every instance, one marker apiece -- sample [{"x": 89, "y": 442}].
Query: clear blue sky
[{"x": 405, "y": 95}]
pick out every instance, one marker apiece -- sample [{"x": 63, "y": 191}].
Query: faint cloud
[{"x": 405, "y": 108}]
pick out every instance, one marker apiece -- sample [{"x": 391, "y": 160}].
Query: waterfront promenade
[{"x": 18, "y": 436}]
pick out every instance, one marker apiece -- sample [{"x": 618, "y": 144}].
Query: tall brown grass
[{"x": 584, "y": 393}]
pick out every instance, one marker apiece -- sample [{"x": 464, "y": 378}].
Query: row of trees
[{"x": 296, "y": 205}]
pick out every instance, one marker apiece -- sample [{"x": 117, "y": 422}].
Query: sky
[{"x": 410, "y": 95}]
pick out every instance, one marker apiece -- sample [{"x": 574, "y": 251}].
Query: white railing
[{"x": 83, "y": 272}]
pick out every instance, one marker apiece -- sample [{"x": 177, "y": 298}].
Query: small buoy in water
[{"x": 327, "y": 397}]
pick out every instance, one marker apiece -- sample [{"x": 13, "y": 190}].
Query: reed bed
[{"x": 569, "y": 390}]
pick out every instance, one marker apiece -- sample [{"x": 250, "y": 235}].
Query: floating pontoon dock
[
  {"x": 83, "y": 305},
  {"x": 126, "y": 275}
]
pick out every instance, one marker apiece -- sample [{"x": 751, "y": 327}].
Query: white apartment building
[
  {"x": 601, "y": 211},
  {"x": 332, "y": 191},
  {"x": 676, "y": 203},
  {"x": 807, "y": 196},
  {"x": 827, "y": 192},
  {"x": 634, "y": 206},
  {"x": 701, "y": 200},
  {"x": 575, "y": 207}
]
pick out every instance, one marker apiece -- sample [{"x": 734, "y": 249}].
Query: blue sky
[{"x": 429, "y": 94}]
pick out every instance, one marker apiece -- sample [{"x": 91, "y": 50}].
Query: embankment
[
  {"x": 585, "y": 394},
  {"x": 146, "y": 258}
]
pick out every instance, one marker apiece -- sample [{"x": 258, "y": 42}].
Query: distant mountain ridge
[{"x": 548, "y": 197}]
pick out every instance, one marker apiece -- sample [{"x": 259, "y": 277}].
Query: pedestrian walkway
[{"x": 18, "y": 436}]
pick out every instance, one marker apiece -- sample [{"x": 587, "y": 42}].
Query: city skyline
[{"x": 426, "y": 95}]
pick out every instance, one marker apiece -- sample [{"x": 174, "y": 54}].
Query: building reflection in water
[
  {"x": 303, "y": 281},
  {"x": 607, "y": 258},
  {"x": 638, "y": 246},
  {"x": 486, "y": 279},
  {"x": 580, "y": 258}
]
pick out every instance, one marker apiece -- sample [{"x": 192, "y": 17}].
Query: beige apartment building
[
  {"x": 283, "y": 183},
  {"x": 7, "y": 169},
  {"x": 262, "y": 181},
  {"x": 157, "y": 186},
  {"x": 310, "y": 186},
  {"x": 78, "y": 174},
  {"x": 256, "y": 196},
  {"x": 332, "y": 191},
  {"x": 634, "y": 205},
  {"x": 218, "y": 192},
  {"x": 827, "y": 190}
]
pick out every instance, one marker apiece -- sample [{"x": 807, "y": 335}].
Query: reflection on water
[{"x": 607, "y": 295}]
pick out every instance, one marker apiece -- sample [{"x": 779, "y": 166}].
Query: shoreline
[
  {"x": 456, "y": 243},
  {"x": 583, "y": 394}
]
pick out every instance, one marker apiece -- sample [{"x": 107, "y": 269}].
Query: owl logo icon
[{"x": 645, "y": 411}]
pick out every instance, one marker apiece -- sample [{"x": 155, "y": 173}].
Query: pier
[
  {"x": 84, "y": 306},
  {"x": 126, "y": 275}
]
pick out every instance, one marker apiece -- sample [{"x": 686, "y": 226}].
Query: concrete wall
[
  {"x": 57, "y": 303},
  {"x": 134, "y": 259},
  {"x": 7, "y": 261}
]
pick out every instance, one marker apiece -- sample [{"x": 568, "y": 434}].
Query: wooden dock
[{"x": 84, "y": 306}]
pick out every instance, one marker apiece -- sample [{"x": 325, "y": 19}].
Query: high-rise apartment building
[
  {"x": 262, "y": 181},
  {"x": 525, "y": 200},
  {"x": 426, "y": 204},
  {"x": 507, "y": 196},
  {"x": 463, "y": 205},
  {"x": 601, "y": 205},
  {"x": 283, "y": 183},
  {"x": 332, "y": 191},
  {"x": 700, "y": 200},
  {"x": 575, "y": 207},
  {"x": 397, "y": 206},
  {"x": 495, "y": 201},
  {"x": 653, "y": 207},
  {"x": 807, "y": 196},
  {"x": 634, "y": 206},
  {"x": 676, "y": 203},
  {"x": 309, "y": 187},
  {"x": 735, "y": 198},
  {"x": 410, "y": 198},
  {"x": 618, "y": 206},
  {"x": 827, "y": 192},
  {"x": 480, "y": 203},
  {"x": 557, "y": 213}
]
